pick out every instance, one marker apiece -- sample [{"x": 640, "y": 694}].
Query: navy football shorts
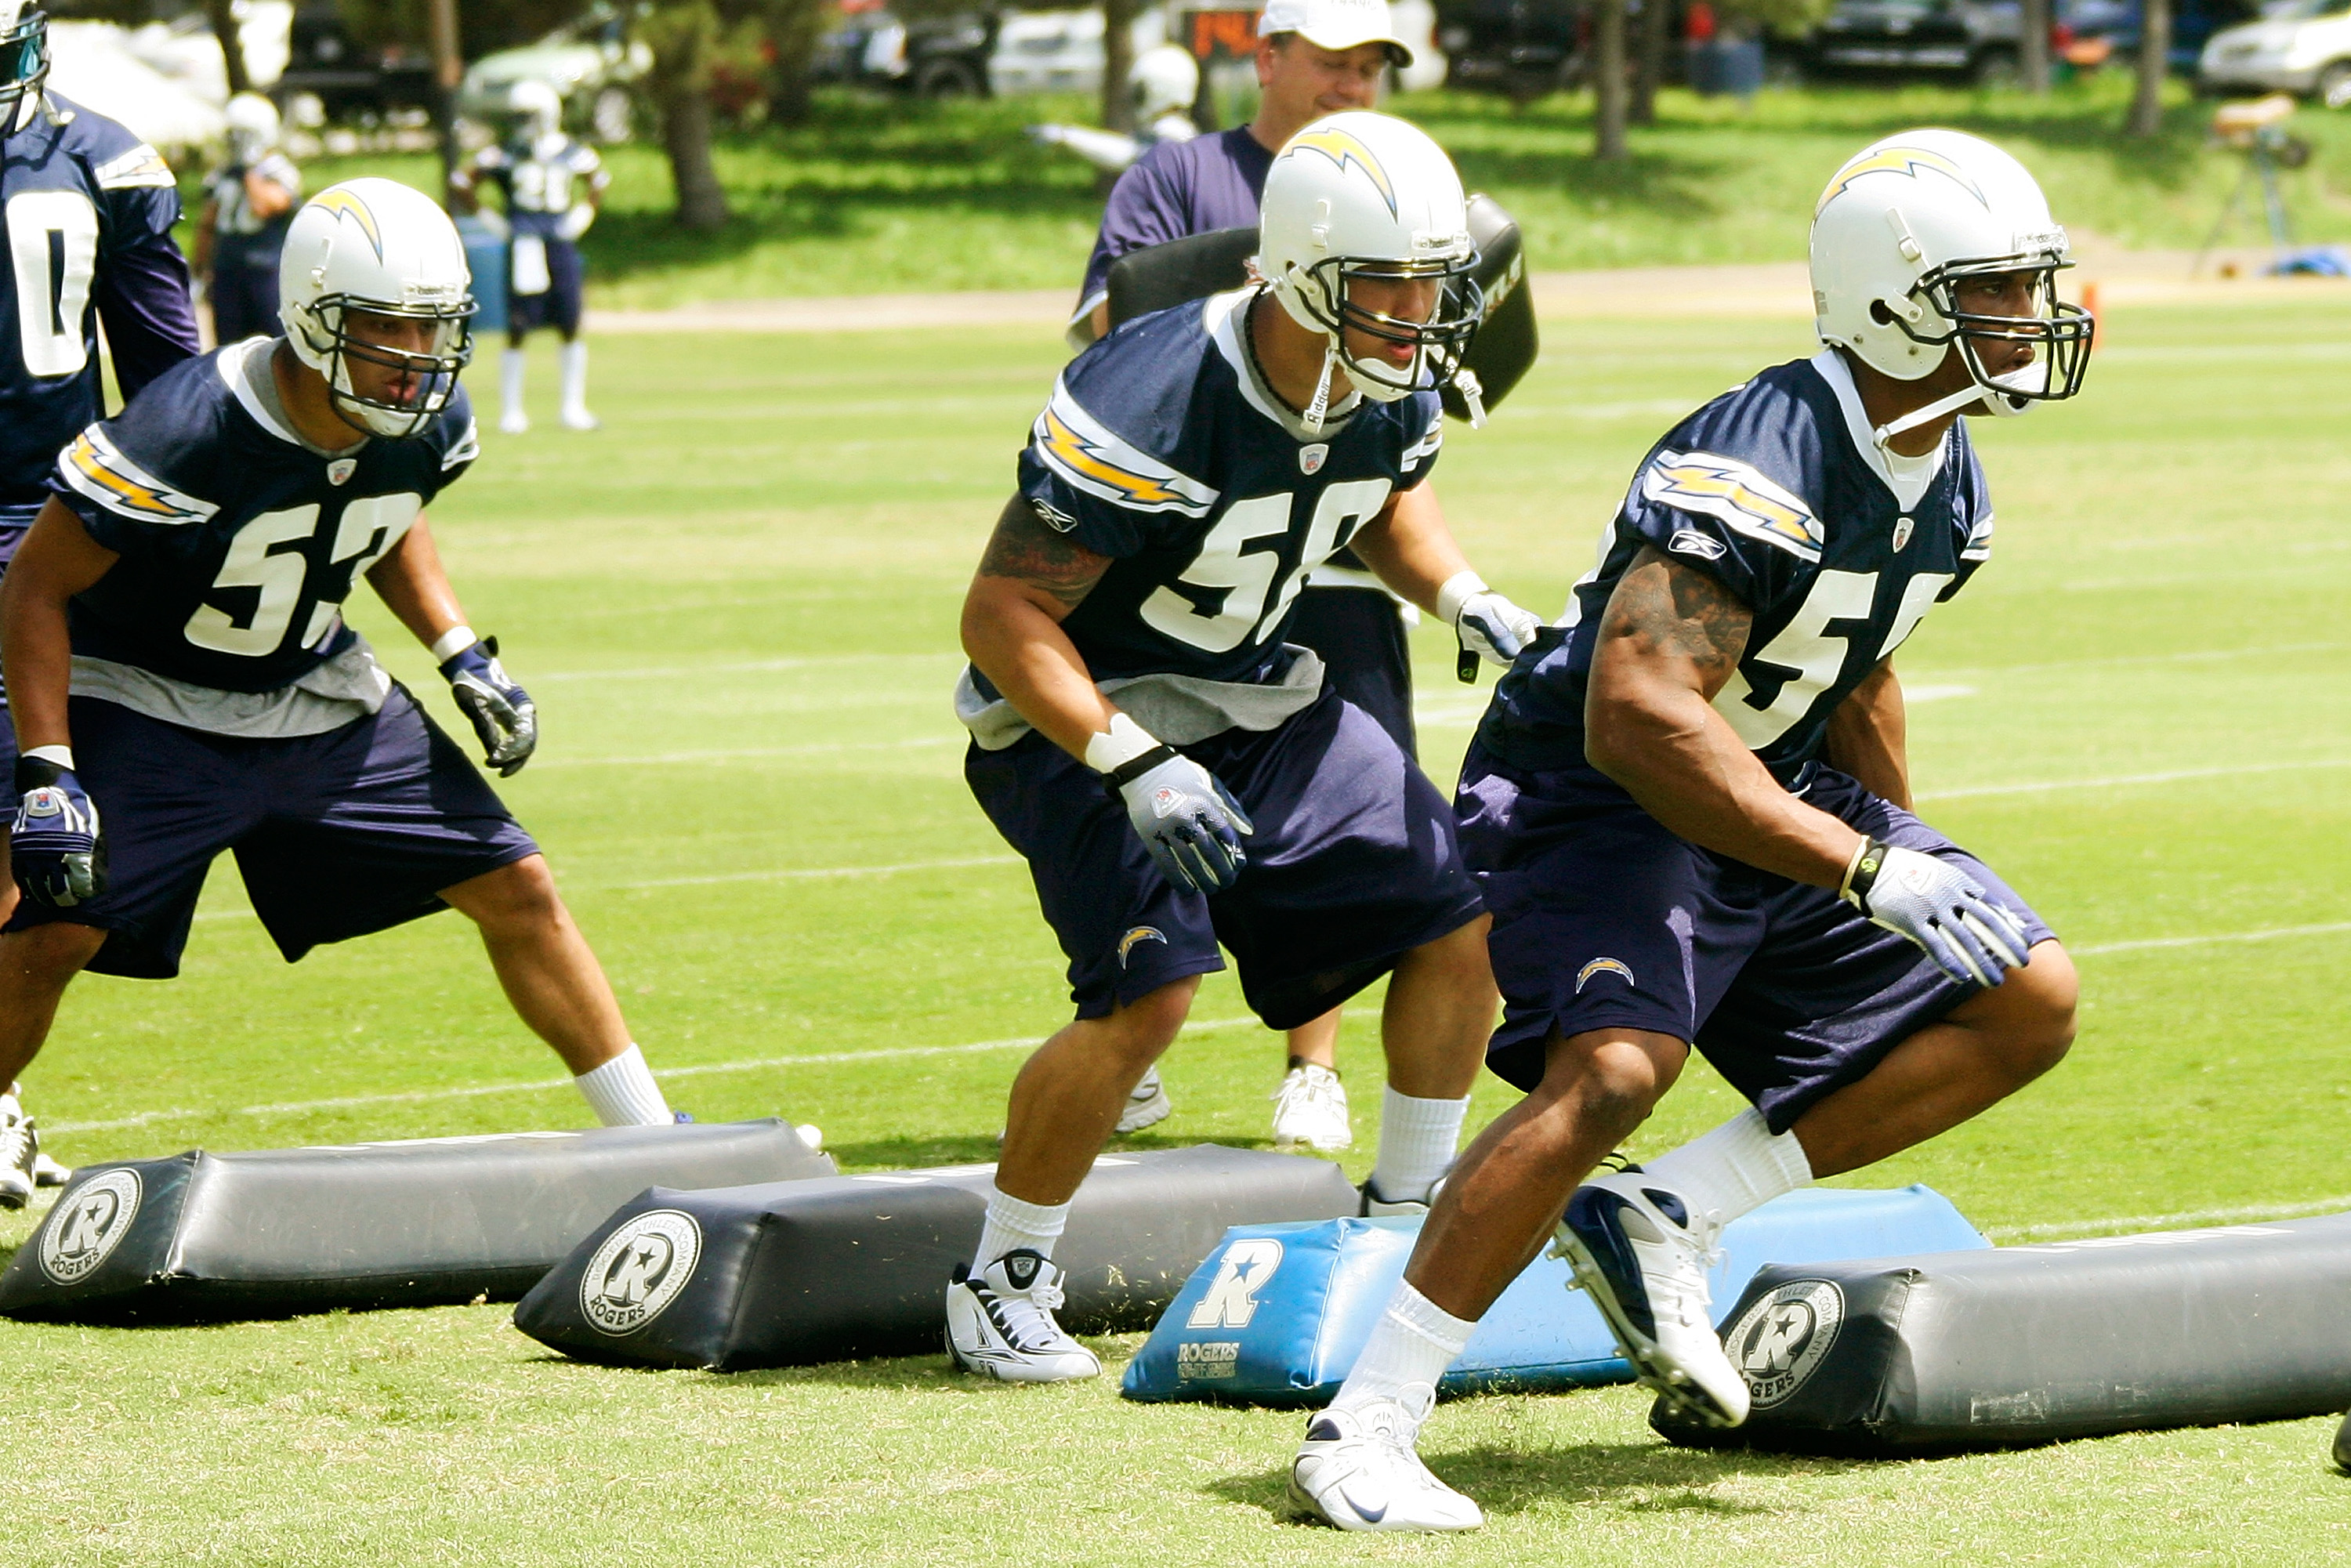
[
  {"x": 559, "y": 307},
  {"x": 1365, "y": 658},
  {"x": 14, "y": 522},
  {"x": 1354, "y": 864},
  {"x": 1602, "y": 919},
  {"x": 336, "y": 834}
]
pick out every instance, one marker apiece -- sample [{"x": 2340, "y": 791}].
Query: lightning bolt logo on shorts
[
  {"x": 1140, "y": 934},
  {"x": 1603, "y": 967},
  {"x": 1911, "y": 160},
  {"x": 1343, "y": 148}
]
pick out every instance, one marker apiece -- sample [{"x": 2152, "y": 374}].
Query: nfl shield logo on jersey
[
  {"x": 1309, "y": 458},
  {"x": 1903, "y": 528},
  {"x": 340, "y": 470}
]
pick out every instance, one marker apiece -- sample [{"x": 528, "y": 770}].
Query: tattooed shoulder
[
  {"x": 1028, "y": 548},
  {"x": 1664, "y": 606}
]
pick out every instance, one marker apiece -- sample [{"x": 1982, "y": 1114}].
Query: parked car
[
  {"x": 349, "y": 80},
  {"x": 2194, "y": 23},
  {"x": 591, "y": 62},
  {"x": 1973, "y": 40},
  {"x": 1060, "y": 51},
  {"x": 2300, "y": 47},
  {"x": 931, "y": 56},
  {"x": 1522, "y": 48}
]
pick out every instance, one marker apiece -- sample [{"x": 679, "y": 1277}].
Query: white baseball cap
[{"x": 1335, "y": 25}]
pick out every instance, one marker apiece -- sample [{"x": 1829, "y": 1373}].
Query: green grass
[
  {"x": 737, "y": 606},
  {"x": 882, "y": 196}
]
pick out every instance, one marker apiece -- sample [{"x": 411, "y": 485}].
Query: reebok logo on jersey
[
  {"x": 1705, "y": 547},
  {"x": 1141, "y": 934},
  {"x": 1603, "y": 967}
]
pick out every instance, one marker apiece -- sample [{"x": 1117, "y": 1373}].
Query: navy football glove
[
  {"x": 1186, "y": 818},
  {"x": 502, "y": 714},
  {"x": 1939, "y": 907},
  {"x": 55, "y": 847}
]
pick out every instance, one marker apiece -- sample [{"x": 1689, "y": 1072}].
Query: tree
[
  {"x": 686, "y": 36},
  {"x": 1649, "y": 60},
  {"x": 2154, "y": 63},
  {"x": 795, "y": 27},
  {"x": 1118, "y": 64},
  {"x": 1608, "y": 82},
  {"x": 221, "y": 14},
  {"x": 2032, "y": 46}
]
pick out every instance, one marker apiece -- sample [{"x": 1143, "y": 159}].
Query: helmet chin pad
[
  {"x": 436, "y": 370},
  {"x": 1317, "y": 298}
]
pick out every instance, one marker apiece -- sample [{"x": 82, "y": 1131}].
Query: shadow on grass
[{"x": 1640, "y": 1478}]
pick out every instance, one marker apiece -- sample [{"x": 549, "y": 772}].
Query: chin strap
[
  {"x": 1963, "y": 398},
  {"x": 1318, "y": 408},
  {"x": 1473, "y": 393}
]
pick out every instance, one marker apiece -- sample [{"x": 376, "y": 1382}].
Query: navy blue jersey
[
  {"x": 1161, "y": 450},
  {"x": 238, "y": 543},
  {"x": 1773, "y": 489},
  {"x": 542, "y": 180},
  {"x": 88, "y": 210}
]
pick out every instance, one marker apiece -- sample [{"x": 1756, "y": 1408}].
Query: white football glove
[
  {"x": 1939, "y": 907},
  {"x": 1182, "y": 813},
  {"x": 1485, "y": 624}
]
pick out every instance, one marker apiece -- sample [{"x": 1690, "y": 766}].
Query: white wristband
[
  {"x": 1125, "y": 741},
  {"x": 60, "y": 755},
  {"x": 1457, "y": 590},
  {"x": 452, "y": 642}
]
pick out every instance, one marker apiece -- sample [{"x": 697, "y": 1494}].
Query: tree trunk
[
  {"x": 683, "y": 40},
  {"x": 1608, "y": 82},
  {"x": 1118, "y": 64},
  {"x": 1649, "y": 60},
  {"x": 795, "y": 27},
  {"x": 2033, "y": 47},
  {"x": 2154, "y": 64},
  {"x": 232, "y": 47}
]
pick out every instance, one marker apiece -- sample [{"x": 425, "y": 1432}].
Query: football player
[
  {"x": 185, "y": 682},
  {"x": 1688, "y": 806},
  {"x": 1316, "y": 58},
  {"x": 1176, "y": 773},
  {"x": 248, "y": 203},
  {"x": 552, "y": 186},
  {"x": 88, "y": 208}
]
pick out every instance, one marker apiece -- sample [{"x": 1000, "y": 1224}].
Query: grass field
[
  {"x": 880, "y": 196},
  {"x": 736, "y": 607}
]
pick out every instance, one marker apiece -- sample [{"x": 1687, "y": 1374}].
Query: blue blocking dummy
[{"x": 1278, "y": 1313}]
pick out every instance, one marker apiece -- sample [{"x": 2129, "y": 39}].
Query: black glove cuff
[
  {"x": 36, "y": 772},
  {"x": 1135, "y": 768},
  {"x": 1863, "y": 876}
]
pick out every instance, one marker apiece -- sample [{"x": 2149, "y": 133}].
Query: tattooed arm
[
  {"x": 1029, "y": 580},
  {"x": 1669, "y": 639}
]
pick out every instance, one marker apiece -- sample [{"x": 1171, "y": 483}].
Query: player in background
[
  {"x": 88, "y": 208},
  {"x": 1688, "y": 805},
  {"x": 185, "y": 684},
  {"x": 1188, "y": 474},
  {"x": 551, "y": 186},
  {"x": 1317, "y": 57},
  {"x": 248, "y": 203}
]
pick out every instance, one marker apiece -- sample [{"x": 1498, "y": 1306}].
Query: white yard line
[
  {"x": 2124, "y": 1224},
  {"x": 2274, "y": 934},
  {"x": 542, "y": 1086},
  {"x": 2119, "y": 780}
]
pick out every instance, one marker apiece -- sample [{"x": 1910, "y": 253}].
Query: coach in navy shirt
[{"x": 1316, "y": 58}]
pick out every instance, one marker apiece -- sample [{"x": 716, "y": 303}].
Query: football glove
[
  {"x": 1485, "y": 624},
  {"x": 1939, "y": 907},
  {"x": 502, "y": 712},
  {"x": 55, "y": 847},
  {"x": 1186, "y": 817}
]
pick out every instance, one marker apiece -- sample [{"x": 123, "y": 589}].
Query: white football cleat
[
  {"x": 1642, "y": 1255},
  {"x": 1311, "y": 1108},
  {"x": 1148, "y": 1105},
  {"x": 1357, "y": 1470},
  {"x": 47, "y": 1172},
  {"x": 1001, "y": 1323},
  {"x": 20, "y": 1145},
  {"x": 580, "y": 418},
  {"x": 514, "y": 421}
]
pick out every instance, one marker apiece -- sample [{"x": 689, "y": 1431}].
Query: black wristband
[
  {"x": 1864, "y": 875},
  {"x": 36, "y": 772},
  {"x": 1135, "y": 768}
]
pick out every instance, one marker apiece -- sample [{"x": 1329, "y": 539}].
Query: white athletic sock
[
  {"x": 622, "y": 1093},
  {"x": 574, "y": 362},
  {"x": 1013, "y": 1224},
  {"x": 1411, "y": 1345},
  {"x": 512, "y": 362},
  {"x": 1739, "y": 1167},
  {"x": 1416, "y": 1142}
]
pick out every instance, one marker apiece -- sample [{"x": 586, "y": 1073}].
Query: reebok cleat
[
  {"x": 1001, "y": 1323},
  {"x": 20, "y": 1145},
  {"x": 1357, "y": 1470},
  {"x": 1642, "y": 1256},
  {"x": 1148, "y": 1105},
  {"x": 1309, "y": 1111}
]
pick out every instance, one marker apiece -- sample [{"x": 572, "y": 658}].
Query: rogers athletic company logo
[
  {"x": 639, "y": 1270},
  {"x": 1231, "y": 1298},
  {"x": 1210, "y": 1359},
  {"x": 1777, "y": 1344},
  {"x": 89, "y": 1225}
]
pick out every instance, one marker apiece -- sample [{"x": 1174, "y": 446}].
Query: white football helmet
[
  {"x": 24, "y": 55},
  {"x": 1902, "y": 224},
  {"x": 1364, "y": 194},
  {"x": 538, "y": 105},
  {"x": 252, "y": 122},
  {"x": 377, "y": 248},
  {"x": 1166, "y": 79}
]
